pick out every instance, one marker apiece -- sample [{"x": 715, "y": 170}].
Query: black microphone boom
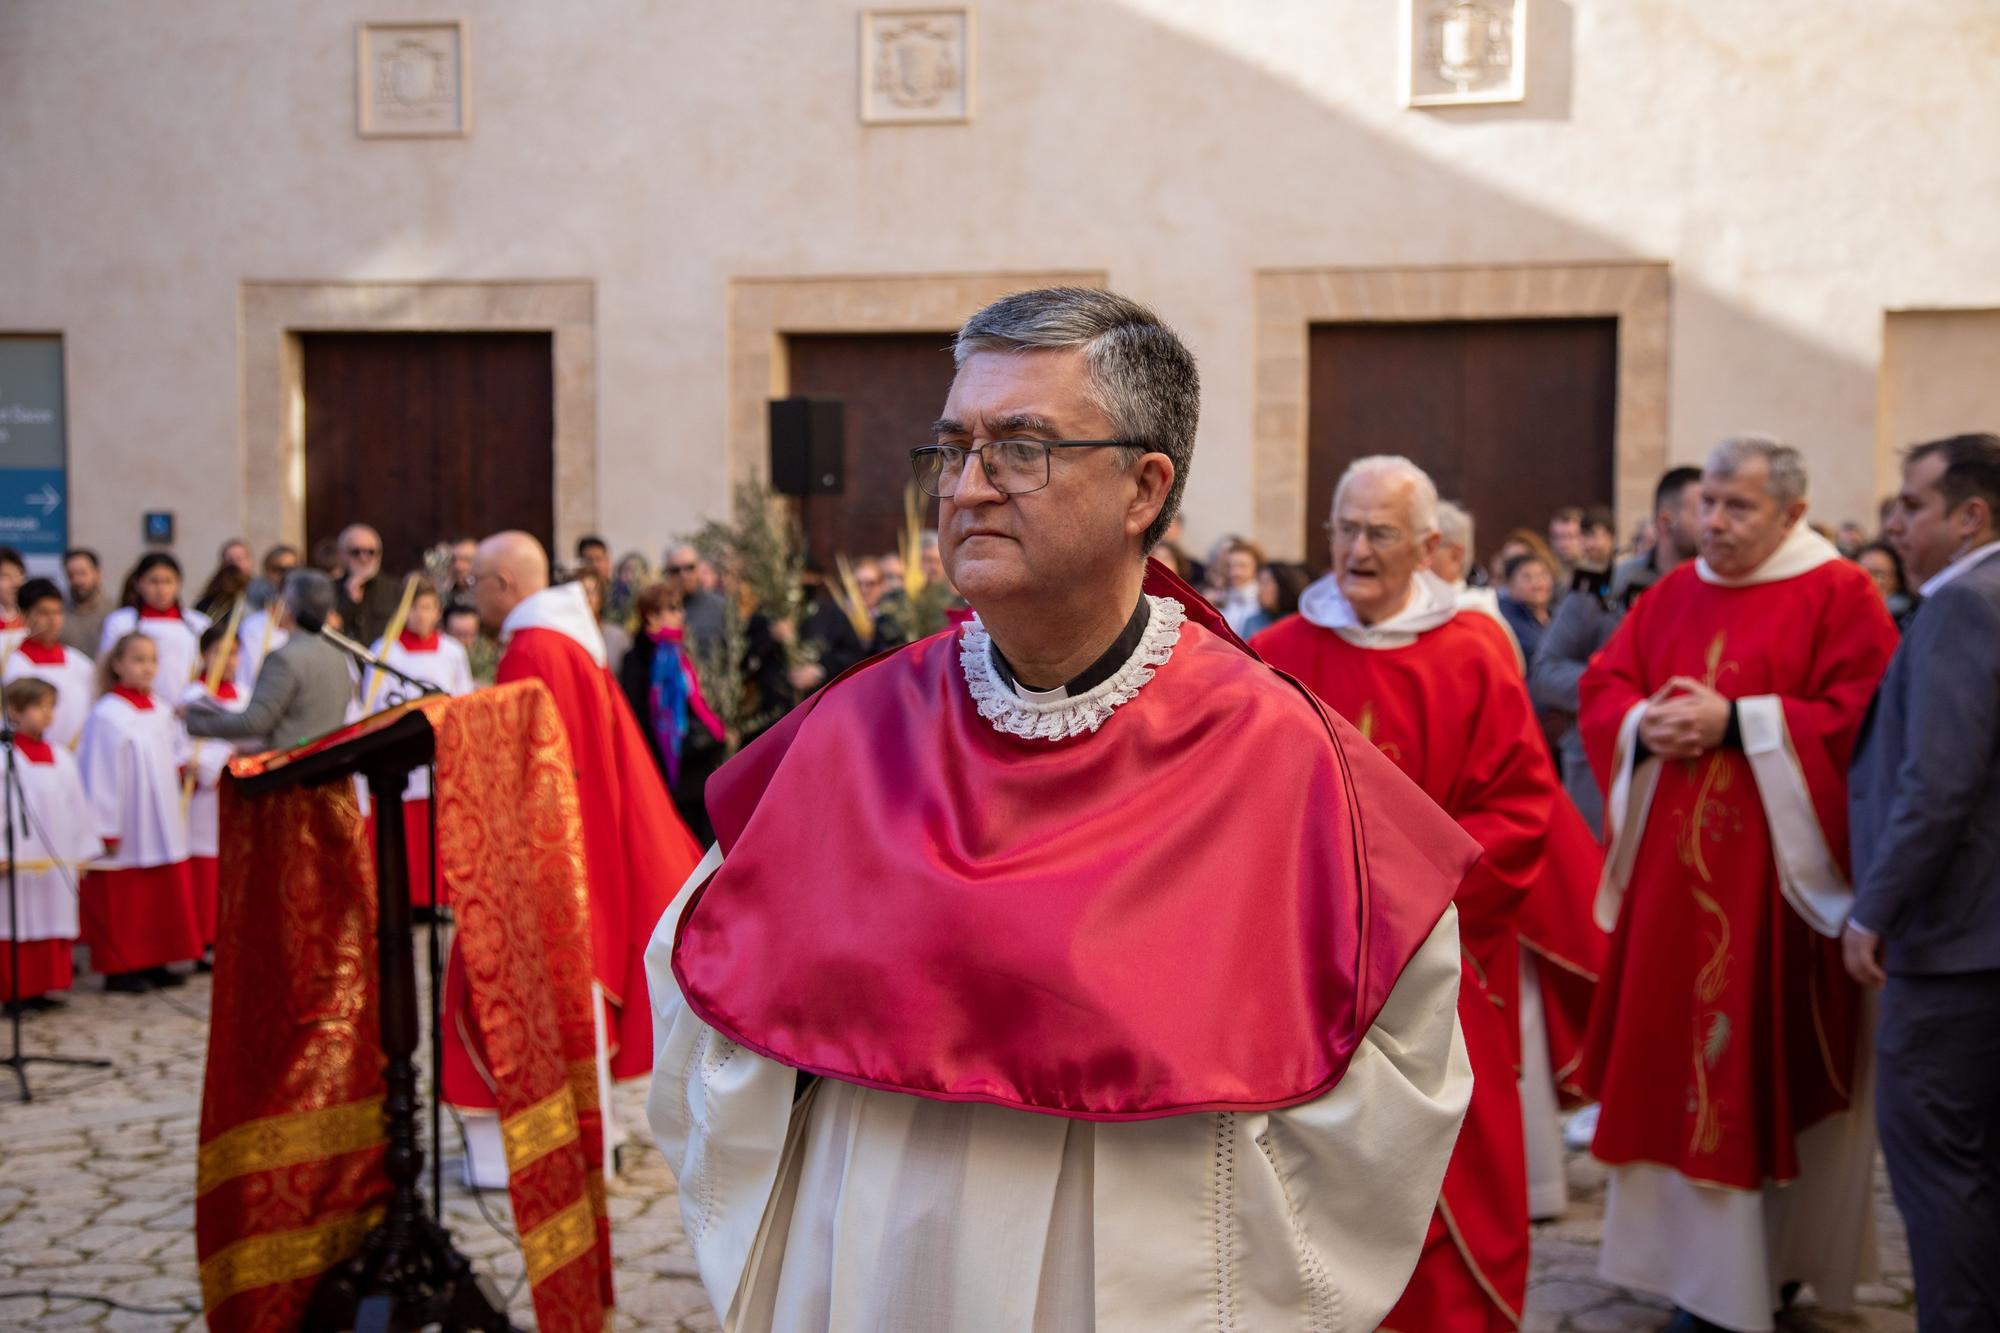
[{"x": 370, "y": 660}]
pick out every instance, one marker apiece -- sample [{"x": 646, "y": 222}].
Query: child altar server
[
  {"x": 153, "y": 608},
  {"x": 138, "y": 912},
  {"x": 207, "y": 759},
  {"x": 44, "y": 656},
  {"x": 422, "y": 650},
  {"x": 13, "y": 571},
  {"x": 53, "y": 836}
]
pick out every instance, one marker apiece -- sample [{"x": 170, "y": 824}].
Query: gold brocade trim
[
  {"x": 533, "y": 1134},
  {"x": 565, "y": 1237},
  {"x": 284, "y": 1256},
  {"x": 1513, "y": 1316},
  {"x": 583, "y": 1082},
  {"x": 286, "y": 1140}
]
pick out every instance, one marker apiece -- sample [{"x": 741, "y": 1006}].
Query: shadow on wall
[{"x": 1348, "y": 195}]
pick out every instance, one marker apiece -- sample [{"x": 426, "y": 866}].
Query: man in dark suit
[
  {"x": 367, "y": 598},
  {"x": 1924, "y": 803}
]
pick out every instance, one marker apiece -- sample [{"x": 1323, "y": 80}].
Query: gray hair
[
  {"x": 309, "y": 597},
  {"x": 1423, "y": 491},
  {"x": 1786, "y": 470},
  {"x": 1137, "y": 371},
  {"x": 1455, "y": 525}
]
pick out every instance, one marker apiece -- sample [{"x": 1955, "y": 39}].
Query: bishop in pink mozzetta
[{"x": 1072, "y": 968}]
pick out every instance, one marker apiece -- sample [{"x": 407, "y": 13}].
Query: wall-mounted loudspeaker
[{"x": 807, "y": 448}]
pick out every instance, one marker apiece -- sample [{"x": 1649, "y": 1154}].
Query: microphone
[{"x": 366, "y": 658}]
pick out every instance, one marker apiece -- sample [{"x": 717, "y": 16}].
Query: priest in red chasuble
[
  {"x": 1069, "y": 969},
  {"x": 1729, "y": 1047},
  {"x": 1383, "y": 642},
  {"x": 636, "y": 850}
]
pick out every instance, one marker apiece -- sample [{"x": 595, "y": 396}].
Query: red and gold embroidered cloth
[{"x": 292, "y": 1137}]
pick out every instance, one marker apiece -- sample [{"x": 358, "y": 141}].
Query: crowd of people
[{"x": 1698, "y": 847}]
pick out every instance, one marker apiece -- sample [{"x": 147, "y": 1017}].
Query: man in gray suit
[
  {"x": 303, "y": 688},
  {"x": 1924, "y": 814},
  {"x": 1584, "y": 623}
]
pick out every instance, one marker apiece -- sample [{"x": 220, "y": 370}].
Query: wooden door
[
  {"x": 892, "y": 387},
  {"x": 1512, "y": 418},
  {"x": 428, "y": 437}
]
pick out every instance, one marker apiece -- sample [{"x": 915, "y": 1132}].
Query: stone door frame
[
  {"x": 1291, "y": 301},
  {"x": 274, "y": 315}
]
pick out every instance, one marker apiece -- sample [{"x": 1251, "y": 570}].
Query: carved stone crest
[
  {"x": 916, "y": 65},
  {"x": 1464, "y": 52},
  {"x": 411, "y": 80}
]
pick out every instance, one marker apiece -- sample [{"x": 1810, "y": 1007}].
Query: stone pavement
[{"x": 97, "y": 1183}]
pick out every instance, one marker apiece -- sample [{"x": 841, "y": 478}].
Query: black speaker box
[{"x": 808, "y": 450}]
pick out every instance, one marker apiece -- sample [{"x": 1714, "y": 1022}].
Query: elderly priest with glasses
[{"x": 1113, "y": 985}]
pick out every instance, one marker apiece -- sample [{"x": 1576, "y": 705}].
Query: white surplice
[
  {"x": 130, "y": 760},
  {"x": 257, "y": 637},
  {"x": 209, "y": 758},
  {"x": 853, "y": 1208},
  {"x": 177, "y": 642},
  {"x": 446, "y": 667},
  {"x": 1722, "y": 1253},
  {"x": 75, "y": 679},
  {"x": 52, "y": 837}
]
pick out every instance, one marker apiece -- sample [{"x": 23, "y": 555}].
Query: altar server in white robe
[
  {"x": 156, "y": 612},
  {"x": 53, "y": 838},
  {"x": 424, "y": 652},
  {"x": 139, "y": 910},
  {"x": 988, "y": 1034},
  {"x": 209, "y": 759},
  {"x": 44, "y": 656},
  {"x": 13, "y": 626}
]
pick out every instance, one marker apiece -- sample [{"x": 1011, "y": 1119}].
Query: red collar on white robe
[
  {"x": 139, "y": 699},
  {"x": 53, "y": 654},
  {"x": 564, "y": 609},
  {"x": 417, "y": 643},
  {"x": 148, "y": 613},
  {"x": 35, "y": 752}
]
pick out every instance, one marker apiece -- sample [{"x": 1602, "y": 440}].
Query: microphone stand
[
  {"x": 16, "y": 1060},
  {"x": 372, "y": 661},
  {"x": 407, "y": 682}
]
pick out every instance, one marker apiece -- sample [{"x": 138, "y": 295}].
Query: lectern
[{"x": 407, "y": 1275}]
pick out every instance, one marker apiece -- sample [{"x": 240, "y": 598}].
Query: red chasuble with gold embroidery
[
  {"x": 1200, "y": 906},
  {"x": 1451, "y": 711},
  {"x": 1725, "y": 1023}
]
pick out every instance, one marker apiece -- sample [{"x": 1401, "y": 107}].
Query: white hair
[
  {"x": 1785, "y": 474},
  {"x": 1455, "y": 525},
  {"x": 1423, "y": 491}
]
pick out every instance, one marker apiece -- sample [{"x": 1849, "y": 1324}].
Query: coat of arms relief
[{"x": 916, "y": 65}]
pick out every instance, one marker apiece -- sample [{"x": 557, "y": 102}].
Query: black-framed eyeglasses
[{"x": 1014, "y": 467}]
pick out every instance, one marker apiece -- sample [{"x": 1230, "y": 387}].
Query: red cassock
[
  {"x": 1451, "y": 711},
  {"x": 1203, "y": 913},
  {"x": 637, "y": 853},
  {"x": 1725, "y": 1024}
]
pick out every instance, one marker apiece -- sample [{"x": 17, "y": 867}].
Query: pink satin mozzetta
[{"x": 1201, "y": 906}]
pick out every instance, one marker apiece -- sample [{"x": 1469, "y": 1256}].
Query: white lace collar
[{"x": 1059, "y": 718}]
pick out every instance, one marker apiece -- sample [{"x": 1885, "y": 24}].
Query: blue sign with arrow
[{"x": 34, "y": 452}]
